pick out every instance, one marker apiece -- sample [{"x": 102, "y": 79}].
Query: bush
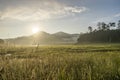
[{"x": 1, "y": 41}]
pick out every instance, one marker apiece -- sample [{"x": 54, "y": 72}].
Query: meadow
[{"x": 60, "y": 62}]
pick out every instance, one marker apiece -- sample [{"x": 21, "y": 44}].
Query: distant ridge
[
  {"x": 45, "y": 38},
  {"x": 61, "y": 33}
]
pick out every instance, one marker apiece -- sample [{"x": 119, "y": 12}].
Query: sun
[{"x": 35, "y": 29}]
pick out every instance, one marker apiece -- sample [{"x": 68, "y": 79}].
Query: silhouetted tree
[
  {"x": 112, "y": 24},
  {"x": 102, "y": 34},
  {"x": 118, "y": 24},
  {"x": 90, "y": 29},
  {"x": 102, "y": 26},
  {"x": 95, "y": 30},
  {"x": 107, "y": 27},
  {"x": 99, "y": 25}
]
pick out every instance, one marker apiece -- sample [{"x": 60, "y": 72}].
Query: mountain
[
  {"x": 66, "y": 36},
  {"x": 62, "y": 34},
  {"x": 44, "y": 38}
]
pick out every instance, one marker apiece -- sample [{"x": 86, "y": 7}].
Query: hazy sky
[{"x": 18, "y": 17}]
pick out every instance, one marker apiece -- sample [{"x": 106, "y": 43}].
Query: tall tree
[
  {"x": 107, "y": 27},
  {"x": 90, "y": 29},
  {"x": 112, "y": 24},
  {"x": 99, "y": 25},
  {"x": 118, "y": 24},
  {"x": 103, "y": 26}
]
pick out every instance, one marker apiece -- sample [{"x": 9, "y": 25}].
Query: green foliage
[
  {"x": 119, "y": 24},
  {"x": 104, "y": 34},
  {"x": 1, "y": 41},
  {"x": 110, "y": 36},
  {"x": 90, "y": 29},
  {"x": 73, "y": 62}
]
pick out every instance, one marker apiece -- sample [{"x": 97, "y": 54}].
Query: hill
[{"x": 44, "y": 38}]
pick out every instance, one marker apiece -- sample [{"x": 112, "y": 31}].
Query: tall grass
[{"x": 60, "y": 63}]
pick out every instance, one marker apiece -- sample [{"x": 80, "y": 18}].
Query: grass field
[{"x": 67, "y": 62}]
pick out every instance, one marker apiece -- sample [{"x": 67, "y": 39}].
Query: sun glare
[{"x": 35, "y": 29}]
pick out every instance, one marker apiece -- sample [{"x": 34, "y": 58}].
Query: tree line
[
  {"x": 102, "y": 26},
  {"x": 104, "y": 33}
]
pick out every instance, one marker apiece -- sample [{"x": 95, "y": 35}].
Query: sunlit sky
[{"x": 20, "y": 17}]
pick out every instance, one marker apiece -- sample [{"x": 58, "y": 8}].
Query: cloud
[
  {"x": 40, "y": 11},
  {"x": 117, "y": 15},
  {"x": 24, "y": 14},
  {"x": 75, "y": 9},
  {"x": 103, "y": 19},
  {"x": 107, "y": 19}
]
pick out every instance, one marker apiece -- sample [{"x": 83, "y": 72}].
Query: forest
[{"x": 105, "y": 33}]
